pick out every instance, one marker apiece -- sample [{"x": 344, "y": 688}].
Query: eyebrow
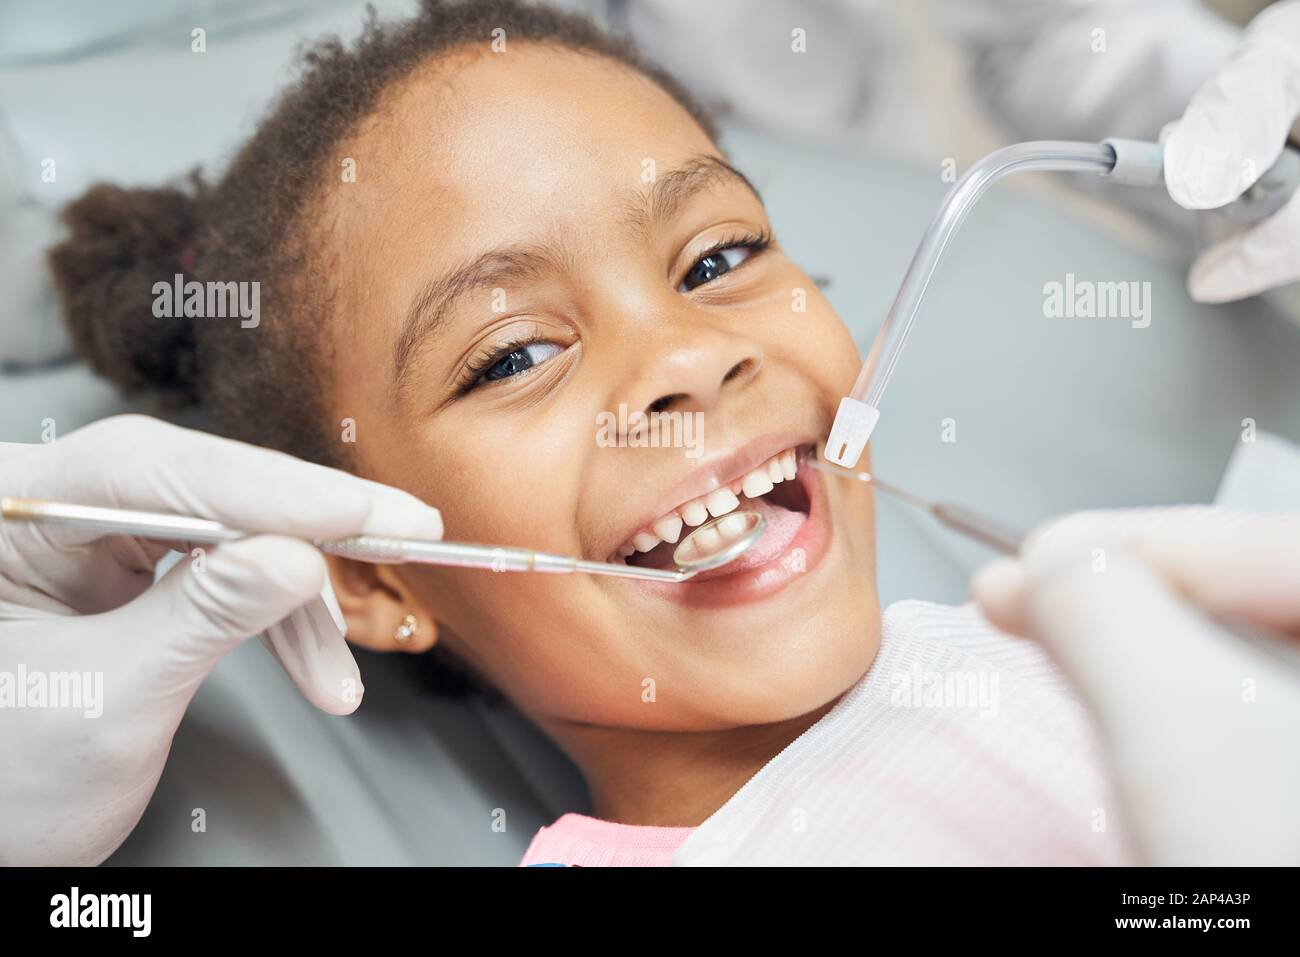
[
  {"x": 671, "y": 191},
  {"x": 497, "y": 267},
  {"x": 512, "y": 264}
]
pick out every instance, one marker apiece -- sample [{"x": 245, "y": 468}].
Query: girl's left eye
[
  {"x": 517, "y": 359},
  {"x": 712, "y": 265}
]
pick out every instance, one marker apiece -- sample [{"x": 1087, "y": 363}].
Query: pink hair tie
[{"x": 187, "y": 258}]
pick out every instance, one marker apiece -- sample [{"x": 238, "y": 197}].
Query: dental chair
[{"x": 1051, "y": 416}]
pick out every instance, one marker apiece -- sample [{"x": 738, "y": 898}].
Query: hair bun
[{"x": 122, "y": 242}]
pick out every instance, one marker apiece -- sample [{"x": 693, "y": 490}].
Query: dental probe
[
  {"x": 955, "y": 517},
  {"x": 1130, "y": 162},
  {"x": 730, "y": 534}
]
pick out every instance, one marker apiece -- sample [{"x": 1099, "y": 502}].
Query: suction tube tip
[
  {"x": 1137, "y": 162},
  {"x": 854, "y": 423}
]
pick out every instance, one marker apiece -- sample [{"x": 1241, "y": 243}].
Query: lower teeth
[
  {"x": 768, "y": 505},
  {"x": 775, "y": 515}
]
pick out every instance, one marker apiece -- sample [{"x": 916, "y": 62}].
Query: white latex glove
[
  {"x": 1184, "y": 638},
  {"x": 1232, "y": 131},
  {"x": 72, "y": 787}
]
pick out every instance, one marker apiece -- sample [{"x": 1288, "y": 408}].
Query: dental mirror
[
  {"x": 717, "y": 542},
  {"x": 710, "y": 546}
]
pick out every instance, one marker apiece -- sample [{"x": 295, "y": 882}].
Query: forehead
[{"x": 488, "y": 145}]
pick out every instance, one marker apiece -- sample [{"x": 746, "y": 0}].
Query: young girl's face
[{"x": 537, "y": 246}]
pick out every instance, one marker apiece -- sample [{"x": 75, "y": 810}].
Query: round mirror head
[{"x": 718, "y": 541}]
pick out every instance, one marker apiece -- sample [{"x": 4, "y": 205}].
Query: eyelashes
[
  {"x": 714, "y": 262},
  {"x": 479, "y": 369},
  {"x": 520, "y": 355}
]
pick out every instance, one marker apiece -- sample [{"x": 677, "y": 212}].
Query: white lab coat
[{"x": 1043, "y": 69}]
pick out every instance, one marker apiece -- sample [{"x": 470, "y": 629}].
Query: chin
[{"x": 792, "y": 669}]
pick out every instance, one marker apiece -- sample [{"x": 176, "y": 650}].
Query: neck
[{"x": 671, "y": 778}]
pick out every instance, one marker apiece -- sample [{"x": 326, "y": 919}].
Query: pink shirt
[{"x": 581, "y": 841}]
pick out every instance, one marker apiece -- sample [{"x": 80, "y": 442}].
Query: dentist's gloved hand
[
  {"x": 73, "y": 786},
  {"x": 1184, "y": 638},
  {"x": 1232, "y": 131}
]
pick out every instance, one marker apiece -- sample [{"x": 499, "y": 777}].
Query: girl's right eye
[
  {"x": 520, "y": 360},
  {"x": 514, "y": 359}
]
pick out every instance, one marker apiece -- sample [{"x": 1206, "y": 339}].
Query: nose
[{"x": 690, "y": 367}]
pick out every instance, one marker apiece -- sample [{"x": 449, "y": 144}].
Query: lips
[
  {"x": 763, "y": 469},
  {"x": 788, "y": 554}
]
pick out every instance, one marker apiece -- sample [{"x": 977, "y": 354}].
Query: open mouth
[{"x": 774, "y": 488}]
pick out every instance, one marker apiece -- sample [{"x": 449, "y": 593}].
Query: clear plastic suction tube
[
  {"x": 1128, "y": 162},
  {"x": 1022, "y": 157},
  {"x": 860, "y": 410}
]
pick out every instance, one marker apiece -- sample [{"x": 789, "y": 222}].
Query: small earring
[{"x": 407, "y": 630}]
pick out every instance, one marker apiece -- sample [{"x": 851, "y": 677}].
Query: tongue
[{"x": 781, "y": 526}]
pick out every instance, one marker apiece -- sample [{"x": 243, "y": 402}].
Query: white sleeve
[
  {"x": 835, "y": 71},
  {"x": 1089, "y": 69},
  {"x": 1086, "y": 69}
]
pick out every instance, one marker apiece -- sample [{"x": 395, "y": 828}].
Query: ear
[{"x": 375, "y": 603}]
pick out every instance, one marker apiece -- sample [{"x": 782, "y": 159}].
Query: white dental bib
[{"x": 960, "y": 746}]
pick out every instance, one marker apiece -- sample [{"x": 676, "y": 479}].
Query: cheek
[
  {"x": 818, "y": 344},
  {"x": 553, "y": 645},
  {"x": 539, "y": 640},
  {"x": 498, "y": 478},
  {"x": 838, "y": 357}
]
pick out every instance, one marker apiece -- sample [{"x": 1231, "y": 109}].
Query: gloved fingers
[
  {"x": 205, "y": 605},
  {"x": 311, "y": 648},
  {"x": 1085, "y": 540},
  {"x": 1084, "y": 536},
  {"x": 1130, "y": 643},
  {"x": 1199, "y": 725},
  {"x": 142, "y": 463},
  {"x": 1134, "y": 642},
  {"x": 83, "y": 580},
  {"x": 1248, "y": 574},
  {"x": 11, "y": 452},
  {"x": 1233, "y": 566},
  {"x": 1236, "y": 124},
  {"x": 1001, "y": 589},
  {"x": 1260, "y": 257}
]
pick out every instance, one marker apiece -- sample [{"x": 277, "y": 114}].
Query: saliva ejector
[{"x": 1128, "y": 162}]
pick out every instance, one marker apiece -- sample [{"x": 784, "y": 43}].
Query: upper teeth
[{"x": 758, "y": 481}]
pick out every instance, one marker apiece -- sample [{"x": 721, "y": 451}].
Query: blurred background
[{"x": 853, "y": 143}]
